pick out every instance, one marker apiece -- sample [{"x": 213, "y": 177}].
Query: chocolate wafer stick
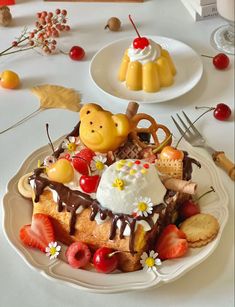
[{"x": 132, "y": 109}]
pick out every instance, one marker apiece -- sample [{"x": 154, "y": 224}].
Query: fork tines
[{"x": 186, "y": 133}]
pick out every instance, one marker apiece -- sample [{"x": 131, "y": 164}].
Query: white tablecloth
[{"x": 209, "y": 284}]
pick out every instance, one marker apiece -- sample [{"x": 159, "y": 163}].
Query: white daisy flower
[
  {"x": 150, "y": 262},
  {"x": 49, "y": 160},
  {"x": 53, "y": 250},
  {"x": 143, "y": 206},
  {"x": 71, "y": 144},
  {"x": 98, "y": 164}
]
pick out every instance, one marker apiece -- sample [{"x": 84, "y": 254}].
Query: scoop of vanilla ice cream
[
  {"x": 149, "y": 53},
  {"x": 126, "y": 182}
]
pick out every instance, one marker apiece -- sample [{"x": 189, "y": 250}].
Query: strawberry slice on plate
[
  {"x": 39, "y": 234},
  {"x": 171, "y": 243}
]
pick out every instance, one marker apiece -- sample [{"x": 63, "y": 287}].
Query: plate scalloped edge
[{"x": 58, "y": 270}]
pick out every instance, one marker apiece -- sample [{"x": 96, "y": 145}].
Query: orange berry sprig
[{"x": 48, "y": 27}]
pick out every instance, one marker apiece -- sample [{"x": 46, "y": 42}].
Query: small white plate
[
  {"x": 105, "y": 65},
  {"x": 18, "y": 212}
]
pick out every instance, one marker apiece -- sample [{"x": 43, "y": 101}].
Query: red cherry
[
  {"x": 105, "y": 261},
  {"x": 76, "y": 53},
  {"x": 140, "y": 42},
  {"x": 222, "y": 112},
  {"x": 221, "y": 61},
  {"x": 188, "y": 208},
  {"x": 89, "y": 184}
]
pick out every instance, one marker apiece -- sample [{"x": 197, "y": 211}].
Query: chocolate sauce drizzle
[{"x": 73, "y": 199}]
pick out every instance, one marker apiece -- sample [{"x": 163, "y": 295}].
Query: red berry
[
  {"x": 221, "y": 61},
  {"x": 188, "y": 208},
  {"x": 78, "y": 255},
  {"x": 14, "y": 44},
  {"x": 140, "y": 42},
  {"x": 39, "y": 234},
  {"x": 76, "y": 53},
  {"x": 86, "y": 154},
  {"x": 104, "y": 260},
  {"x": 89, "y": 184},
  {"x": 80, "y": 165},
  {"x": 64, "y": 12},
  {"x": 171, "y": 243},
  {"x": 222, "y": 112}
]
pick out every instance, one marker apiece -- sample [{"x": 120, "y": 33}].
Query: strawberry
[
  {"x": 171, "y": 243},
  {"x": 39, "y": 234},
  {"x": 80, "y": 165},
  {"x": 86, "y": 154}
]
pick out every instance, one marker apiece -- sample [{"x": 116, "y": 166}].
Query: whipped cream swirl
[{"x": 148, "y": 54}]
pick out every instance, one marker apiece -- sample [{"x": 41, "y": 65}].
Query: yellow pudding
[{"x": 147, "y": 69}]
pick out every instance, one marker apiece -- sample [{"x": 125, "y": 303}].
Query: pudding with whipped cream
[{"x": 146, "y": 67}]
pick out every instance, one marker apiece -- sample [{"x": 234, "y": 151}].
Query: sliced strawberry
[
  {"x": 39, "y": 234},
  {"x": 171, "y": 243}
]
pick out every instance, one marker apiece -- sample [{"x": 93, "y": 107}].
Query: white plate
[
  {"x": 105, "y": 65},
  {"x": 18, "y": 212}
]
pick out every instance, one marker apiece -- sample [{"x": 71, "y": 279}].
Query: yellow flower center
[
  {"x": 142, "y": 206},
  {"x": 150, "y": 262},
  {"x": 52, "y": 250},
  {"x": 118, "y": 183},
  {"x": 71, "y": 146},
  {"x": 99, "y": 165}
]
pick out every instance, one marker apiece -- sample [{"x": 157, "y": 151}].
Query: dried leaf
[{"x": 57, "y": 97}]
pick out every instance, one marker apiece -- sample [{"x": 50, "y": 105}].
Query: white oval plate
[
  {"x": 18, "y": 212},
  {"x": 105, "y": 65}
]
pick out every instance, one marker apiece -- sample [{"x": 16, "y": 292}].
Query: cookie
[
  {"x": 200, "y": 227},
  {"x": 201, "y": 243},
  {"x": 171, "y": 168}
]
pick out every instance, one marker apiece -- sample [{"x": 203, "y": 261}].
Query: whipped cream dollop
[
  {"x": 148, "y": 54},
  {"x": 127, "y": 182}
]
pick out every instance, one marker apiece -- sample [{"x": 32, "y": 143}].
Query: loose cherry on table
[
  {"x": 220, "y": 61},
  {"x": 139, "y": 42},
  {"x": 105, "y": 260},
  {"x": 76, "y": 53},
  {"x": 221, "y": 111}
]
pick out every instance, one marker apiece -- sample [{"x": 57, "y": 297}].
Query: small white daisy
[
  {"x": 71, "y": 144},
  {"x": 53, "y": 250},
  {"x": 98, "y": 164},
  {"x": 49, "y": 160},
  {"x": 143, "y": 206},
  {"x": 150, "y": 262}
]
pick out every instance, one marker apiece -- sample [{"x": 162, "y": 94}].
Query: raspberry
[{"x": 78, "y": 255}]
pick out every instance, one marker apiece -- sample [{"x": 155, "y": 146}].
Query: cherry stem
[
  {"x": 50, "y": 142},
  {"x": 117, "y": 252},
  {"x": 191, "y": 126},
  {"x": 207, "y": 56},
  {"x": 208, "y": 108},
  {"x": 134, "y": 26},
  {"x": 211, "y": 190}
]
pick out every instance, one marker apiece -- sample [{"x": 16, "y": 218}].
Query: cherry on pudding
[{"x": 139, "y": 42}]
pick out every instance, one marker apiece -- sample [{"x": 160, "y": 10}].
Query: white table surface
[{"x": 209, "y": 284}]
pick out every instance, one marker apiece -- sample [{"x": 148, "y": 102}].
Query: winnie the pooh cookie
[{"x": 102, "y": 131}]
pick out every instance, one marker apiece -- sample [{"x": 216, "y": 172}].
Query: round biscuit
[
  {"x": 201, "y": 226},
  {"x": 201, "y": 243}
]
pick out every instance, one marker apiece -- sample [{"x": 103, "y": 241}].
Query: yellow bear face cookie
[{"x": 100, "y": 130}]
